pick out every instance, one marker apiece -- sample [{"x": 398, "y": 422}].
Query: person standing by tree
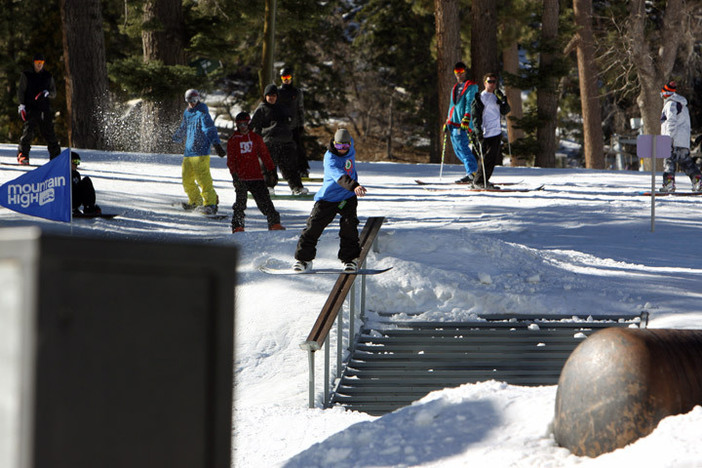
[
  {"x": 486, "y": 111},
  {"x": 272, "y": 121},
  {"x": 246, "y": 154},
  {"x": 675, "y": 122},
  {"x": 291, "y": 98},
  {"x": 458, "y": 123},
  {"x": 199, "y": 132},
  {"x": 36, "y": 87}
]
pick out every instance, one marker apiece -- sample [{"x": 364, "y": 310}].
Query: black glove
[
  {"x": 235, "y": 178},
  {"x": 220, "y": 151},
  {"x": 270, "y": 178},
  {"x": 499, "y": 95}
]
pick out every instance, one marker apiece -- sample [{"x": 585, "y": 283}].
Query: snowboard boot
[
  {"x": 92, "y": 210},
  {"x": 209, "y": 210},
  {"x": 351, "y": 266},
  {"x": 300, "y": 266},
  {"x": 668, "y": 184},
  {"x": 23, "y": 159},
  {"x": 697, "y": 183},
  {"x": 276, "y": 227},
  {"x": 189, "y": 206},
  {"x": 237, "y": 229}
]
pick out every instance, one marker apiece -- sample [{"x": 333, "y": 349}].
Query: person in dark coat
[
  {"x": 272, "y": 121},
  {"x": 83, "y": 190},
  {"x": 36, "y": 88},
  {"x": 291, "y": 97}
]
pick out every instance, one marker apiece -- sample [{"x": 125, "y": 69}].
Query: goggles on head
[
  {"x": 39, "y": 62},
  {"x": 342, "y": 146},
  {"x": 286, "y": 77},
  {"x": 243, "y": 123},
  {"x": 458, "y": 71},
  {"x": 75, "y": 161}
]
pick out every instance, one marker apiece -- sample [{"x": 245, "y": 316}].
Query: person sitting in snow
[
  {"x": 338, "y": 194},
  {"x": 246, "y": 153},
  {"x": 83, "y": 190}
]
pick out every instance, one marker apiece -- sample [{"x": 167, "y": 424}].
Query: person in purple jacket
[{"x": 338, "y": 195}]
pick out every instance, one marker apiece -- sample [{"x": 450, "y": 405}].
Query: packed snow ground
[{"x": 581, "y": 246}]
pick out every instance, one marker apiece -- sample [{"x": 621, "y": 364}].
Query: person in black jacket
[
  {"x": 272, "y": 121},
  {"x": 291, "y": 97},
  {"x": 83, "y": 190},
  {"x": 486, "y": 111},
  {"x": 36, "y": 87}
]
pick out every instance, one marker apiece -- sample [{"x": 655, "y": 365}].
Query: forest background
[{"x": 572, "y": 69}]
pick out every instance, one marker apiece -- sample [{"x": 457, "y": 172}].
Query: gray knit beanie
[{"x": 342, "y": 136}]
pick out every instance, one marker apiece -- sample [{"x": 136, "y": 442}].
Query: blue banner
[{"x": 44, "y": 192}]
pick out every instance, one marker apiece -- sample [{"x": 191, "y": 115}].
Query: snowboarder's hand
[
  {"x": 22, "y": 112},
  {"x": 465, "y": 124},
  {"x": 220, "y": 151},
  {"x": 360, "y": 191},
  {"x": 270, "y": 178},
  {"x": 500, "y": 95}
]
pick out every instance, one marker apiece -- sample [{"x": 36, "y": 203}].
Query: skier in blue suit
[{"x": 458, "y": 123}]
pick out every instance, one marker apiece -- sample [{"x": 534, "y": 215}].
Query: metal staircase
[{"x": 395, "y": 363}]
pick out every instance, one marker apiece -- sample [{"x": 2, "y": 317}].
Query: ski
[
  {"x": 673, "y": 194},
  {"x": 321, "y": 271},
  {"x": 491, "y": 190},
  {"x": 422, "y": 182}
]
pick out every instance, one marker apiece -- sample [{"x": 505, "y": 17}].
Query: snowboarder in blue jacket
[{"x": 338, "y": 195}]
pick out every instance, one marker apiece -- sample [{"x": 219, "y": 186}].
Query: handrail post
[
  {"x": 339, "y": 341},
  {"x": 310, "y": 362},
  {"x": 326, "y": 372}
]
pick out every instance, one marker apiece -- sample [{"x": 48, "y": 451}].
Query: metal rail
[{"x": 345, "y": 285}]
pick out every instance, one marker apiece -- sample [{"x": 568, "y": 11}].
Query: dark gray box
[{"x": 133, "y": 363}]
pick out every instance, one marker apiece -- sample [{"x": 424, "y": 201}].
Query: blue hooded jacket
[
  {"x": 338, "y": 170},
  {"x": 198, "y": 129}
]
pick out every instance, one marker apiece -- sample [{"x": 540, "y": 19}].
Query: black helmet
[
  {"x": 242, "y": 117},
  {"x": 286, "y": 71}
]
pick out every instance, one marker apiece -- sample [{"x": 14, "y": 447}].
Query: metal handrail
[{"x": 319, "y": 335}]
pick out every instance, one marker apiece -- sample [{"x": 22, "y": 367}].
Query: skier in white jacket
[{"x": 675, "y": 122}]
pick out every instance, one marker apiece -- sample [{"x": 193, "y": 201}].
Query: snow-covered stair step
[{"x": 397, "y": 362}]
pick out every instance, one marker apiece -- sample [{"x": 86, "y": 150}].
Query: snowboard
[
  {"x": 422, "y": 182},
  {"x": 95, "y": 215},
  {"x": 19, "y": 165},
  {"x": 321, "y": 271},
  {"x": 198, "y": 212},
  {"x": 307, "y": 179},
  {"x": 493, "y": 190},
  {"x": 289, "y": 196},
  {"x": 673, "y": 194}
]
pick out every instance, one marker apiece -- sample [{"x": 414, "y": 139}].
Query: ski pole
[
  {"x": 482, "y": 161},
  {"x": 443, "y": 154}
]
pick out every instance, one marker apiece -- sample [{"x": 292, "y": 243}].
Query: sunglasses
[
  {"x": 491, "y": 81},
  {"x": 342, "y": 146},
  {"x": 286, "y": 77},
  {"x": 458, "y": 71},
  {"x": 76, "y": 162}
]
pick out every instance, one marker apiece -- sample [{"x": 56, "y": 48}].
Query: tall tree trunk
[
  {"x": 266, "y": 75},
  {"x": 589, "y": 97},
  {"x": 162, "y": 39},
  {"x": 86, "y": 72},
  {"x": 483, "y": 39},
  {"x": 510, "y": 59},
  {"x": 546, "y": 93},
  {"x": 448, "y": 45}
]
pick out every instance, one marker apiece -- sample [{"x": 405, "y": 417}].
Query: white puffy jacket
[{"x": 675, "y": 120}]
